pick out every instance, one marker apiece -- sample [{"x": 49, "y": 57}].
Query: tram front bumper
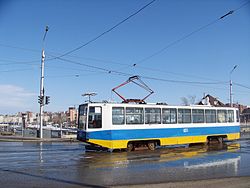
[{"x": 82, "y": 136}]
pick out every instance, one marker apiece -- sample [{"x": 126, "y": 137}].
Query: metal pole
[
  {"x": 42, "y": 85},
  {"x": 61, "y": 130},
  {"x": 22, "y": 130},
  {"x": 231, "y": 86},
  {"x": 231, "y": 96},
  {"x": 42, "y": 94}
]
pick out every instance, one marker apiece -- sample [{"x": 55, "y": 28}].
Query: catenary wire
[
  {"x": 241, "y": 85},
  {"x": 188, "y": 35},
  {"x": 146, "y": 77},
  {"x": 12, "y": 62},
  {"x": 163, "y": 49},
  {"x": 104, "y": 70},
  {"x": 109, "y": 71},
  {"x": 107, "y": 31},
  {"x": 16, "y": 70}
]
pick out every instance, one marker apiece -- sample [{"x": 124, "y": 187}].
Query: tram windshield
[{"x": 95, "y": 117}]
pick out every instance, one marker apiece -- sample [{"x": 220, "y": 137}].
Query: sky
[{"x": 178, "y": 48}]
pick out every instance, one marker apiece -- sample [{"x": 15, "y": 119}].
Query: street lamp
[
  {"x": 89, "y": 94},
  {"x": 231, "y": 86},
  {"x": 41, "y": 97}
]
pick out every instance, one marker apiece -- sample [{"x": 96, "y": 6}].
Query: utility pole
[
  {"x": 41, "y": 97},
  {"x": 231, "y": 86}
]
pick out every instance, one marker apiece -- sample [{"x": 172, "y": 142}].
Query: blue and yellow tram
[{"x": 126, "y": 126}]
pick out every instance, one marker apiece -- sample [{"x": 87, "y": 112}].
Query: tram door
[{"x": 82, "y": 118}]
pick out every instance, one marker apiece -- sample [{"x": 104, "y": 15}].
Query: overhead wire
[
  {"x": 69, "y": 68},
  {"x": 96, "y": 60},
  {"x": 90, "y": 72},
  {"x": 146, "y": 77},
  {"x": 108, "y": 71},
  {"x": 107, "y": 31},
  {"x": 241, "y": 6},
  {"x": 83, "y": 64},
  {"x": 12, "y": 62},
  {"x": 188, "y": 35},
  {"x": 71, "y": 75},
  {"x": 241, "y": 85},
  {"x": 16, "y": 70},
  {"x": 20, "y": 48},
  {"x": 182, "y": 81},
  {"x": 127, "y": 74},
  {"x": 136, "y": 64},
  {"x": 119, "y": 73},
  {"x": 175, "y": 73},
  {"x": 179, "y": 40}
]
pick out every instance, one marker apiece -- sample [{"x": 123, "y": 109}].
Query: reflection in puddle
[
  {"x": 191, "y": 157},
  {"x": 162, "y": 165}
]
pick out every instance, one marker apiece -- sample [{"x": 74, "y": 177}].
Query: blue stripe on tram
[{"x": 161, "y": 133}]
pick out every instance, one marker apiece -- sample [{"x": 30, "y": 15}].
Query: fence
[
  {"x": 34, "y": 133},
  {"x": 245, "y": 127}
]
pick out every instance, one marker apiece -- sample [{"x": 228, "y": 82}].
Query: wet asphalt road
[{"x": 31, "y": 164}]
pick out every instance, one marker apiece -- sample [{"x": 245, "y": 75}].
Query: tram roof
[{"x": 154, "y": 105}]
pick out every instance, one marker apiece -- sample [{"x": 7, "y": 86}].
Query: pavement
[
  {"x": 239, "y": 182},
  {"x": 68, "y": 164}
]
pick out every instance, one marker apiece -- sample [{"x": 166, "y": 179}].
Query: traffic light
[
  {"x": 40, "y": 99},
  {"x": 47, "y": 100}
]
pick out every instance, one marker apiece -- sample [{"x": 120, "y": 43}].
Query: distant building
[
  {"x": 1, "y": 118},
  {"x": 72, "y": 116},
  {"x": 245, "y": 115},
  {"x": 47, "y": 116},
  {"x": 210, "y": 100},
  {"x": 11, "y": 119},
  {"x": 239, "y": 106}
]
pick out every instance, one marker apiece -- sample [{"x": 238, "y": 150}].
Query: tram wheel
[
  {"x": 151, "y": 145},
  {"x": 130, "y": 147}
]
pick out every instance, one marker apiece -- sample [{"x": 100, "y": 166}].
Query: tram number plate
[{"x": 185, "y": 130}]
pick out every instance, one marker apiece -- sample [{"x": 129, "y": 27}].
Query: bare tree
[
  {"x": 186, "y": 101},
  {"x": 191, "y": 99}
]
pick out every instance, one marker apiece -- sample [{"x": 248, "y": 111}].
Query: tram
[{"x": 127, "y": 126}]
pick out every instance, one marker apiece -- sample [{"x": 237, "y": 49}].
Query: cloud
[{"x": 15, "y": 98}]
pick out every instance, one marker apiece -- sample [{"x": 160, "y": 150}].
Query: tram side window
[
  {"x": 198, "y": 115},
  {"x": 134, "y": 115},
  {"x": 237, "y": 116},
  {"x": 152, "y": 115},
  {"x": 230, "y": 116},
  {"x": 221, "y": 116},
  {"x": 210, "y": 116},
  {"x": 169, "y": 115},
  {"x": 118, "y": 116},
  {"x": 184, "y": 115},
  {"x": 95, "y": 117}
]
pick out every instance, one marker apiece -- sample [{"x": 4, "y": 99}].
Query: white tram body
[{"x": 122, "y": 125}]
